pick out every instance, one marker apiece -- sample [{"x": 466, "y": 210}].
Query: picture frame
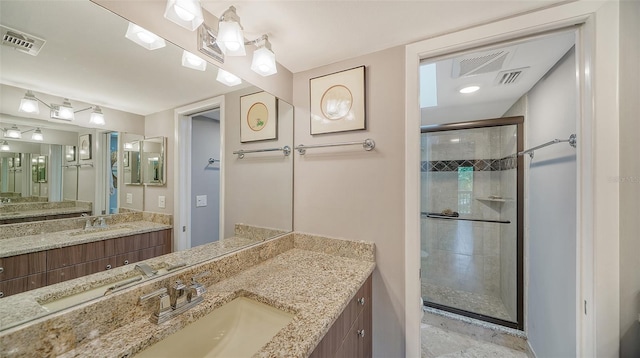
[
  {"x": 17, "y": 161},
  {"x": 70, "y": 153},
  {"x": 125, "y": 159},
  {"x": 338, "y": 102},
  {"x": 10, "y": 162},
  {"x": 84, "y": 151},
  {"x": 258, "y": 117}
]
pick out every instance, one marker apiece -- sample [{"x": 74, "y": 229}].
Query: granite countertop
[
  {"x": 314, "y": 286},
  {"x": 52, "y": 240},
  {"x": 43, "y": 212}
]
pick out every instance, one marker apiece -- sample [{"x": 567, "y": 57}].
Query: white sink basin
[{"x": 237, "y": 329}]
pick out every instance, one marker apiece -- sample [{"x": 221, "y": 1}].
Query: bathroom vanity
[{"x": 323, "y": 284}]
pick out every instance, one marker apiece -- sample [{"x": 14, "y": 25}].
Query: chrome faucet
[
  {"x": 145, "y": 269},
  {"x": 177, "y": 299}
]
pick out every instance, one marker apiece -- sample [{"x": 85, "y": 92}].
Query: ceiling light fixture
[
  {"x": 5, "y": 146},
  {"x": 230, "y": 36},
  {"x": 186, "y": 13},
  {"x": 13, "y": 132},
  {"x": 144, "y": 38},
  {"x": 192, "y": 61},
  {"x": 64, "y": 111},
  {"x": 469, "y": 89},
  {"x": 227, "y": 78}
]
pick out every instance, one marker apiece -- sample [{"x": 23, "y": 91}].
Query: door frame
[
  {"x": 597, "y": 225},
  {"x": 182, "y": 174}
]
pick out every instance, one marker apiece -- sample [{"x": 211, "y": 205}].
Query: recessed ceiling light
[{"x": 469, "y": 89}]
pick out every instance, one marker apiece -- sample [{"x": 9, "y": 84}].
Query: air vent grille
[
  {"x": 481, "y": 62},
  {"x": 509, "y": 77},
  {"x": 21, "y": 41}
]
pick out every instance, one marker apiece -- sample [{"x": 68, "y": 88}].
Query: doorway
[{"x": 205, "y": 177}]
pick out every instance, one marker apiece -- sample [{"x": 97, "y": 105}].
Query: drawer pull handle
[
  {"x": 361, "y": 333},
  {"x": 1, "y": 269},
  {"x": 126, "y": 262},
  {"x": 1, "y": 294},
  {"x": 108, "y": 267},
  {"x": 361, "y": 301}
]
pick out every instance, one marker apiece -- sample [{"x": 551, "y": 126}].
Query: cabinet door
[
  {"x": 22, "y": 284},
  {"x": 22, "y": 265}
]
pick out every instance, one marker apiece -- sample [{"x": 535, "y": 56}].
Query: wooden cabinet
[
  {"x": 26, "y": 272},
  {"x": 350, "y": 335}
]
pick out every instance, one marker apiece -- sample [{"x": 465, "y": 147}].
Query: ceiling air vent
[
  {"x": 21, "y": 41},
  {"x": 481, "y": 62},
  {"x": 509, "y": 77}
]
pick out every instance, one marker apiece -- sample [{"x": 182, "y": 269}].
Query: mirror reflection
[{"x": 123, "y": 172}]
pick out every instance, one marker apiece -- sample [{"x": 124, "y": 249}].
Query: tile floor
[
  {"x": 439, "y": 342},
  {"x": 473, "y": 302},
  {"x": 444, "y": 334}
]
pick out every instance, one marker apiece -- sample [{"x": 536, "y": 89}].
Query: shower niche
[{"x": 471, "y": 209}]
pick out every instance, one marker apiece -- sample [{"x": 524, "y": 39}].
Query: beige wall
[
  {"x": 346, "y": 192},
  {"x": 257, "y": 188},
  {"x": 629, "y": 179}
]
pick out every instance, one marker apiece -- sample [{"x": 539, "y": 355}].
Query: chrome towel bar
[
  {"x": 367, "y": 144},
  {"x": 286, "y": 150},
  {"x": 572, "y": 142}
]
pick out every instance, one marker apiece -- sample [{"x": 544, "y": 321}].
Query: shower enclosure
[{"x": 471, "y": 227}]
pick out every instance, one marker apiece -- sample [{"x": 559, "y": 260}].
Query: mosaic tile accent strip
[{"x": 479, "y": 165}]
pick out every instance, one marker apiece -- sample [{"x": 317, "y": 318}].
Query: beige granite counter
[
  {"x": 53, "y": 240},
  {"x": 313, "y": 278},
  {"x": 23, "y": 210}
]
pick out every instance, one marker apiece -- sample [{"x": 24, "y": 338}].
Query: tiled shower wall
[{"x": 464, "y": 255}]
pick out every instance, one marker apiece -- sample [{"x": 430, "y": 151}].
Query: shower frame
[{"x": 518, "y": 121}]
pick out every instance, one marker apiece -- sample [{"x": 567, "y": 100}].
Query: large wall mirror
[{"x": 87, "y": 60}]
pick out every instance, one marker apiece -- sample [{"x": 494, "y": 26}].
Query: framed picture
[
  {"x": 259, "y": 120},
  {"x": 85, "y": 147},
  {"x": 17, "y": 162},
  {"x": 125, "y": 158},
  {"x": 10, "y": 162},
  {"x": 70, "y": 153},
  {"x": 338, "y": 101}
]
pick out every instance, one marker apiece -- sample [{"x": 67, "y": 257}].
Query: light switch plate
[
  {"x": 201, "y": 200},
  {"x": 129, "y": 198},
  {"x": 161, "y": 200}
]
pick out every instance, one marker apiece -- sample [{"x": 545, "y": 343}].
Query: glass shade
[
  {"x": 97, "y": 117},
  {"x": 29, "y": 104},
  {"x": 192, "y": 61},
  {"x": 13, "y": 132},
  {"x": 37, "y": 135},
  {"x": 230, "y": 38},
  {"x": 227, "y": 78},
  {"x": 186, "y": 13},
  {"x": 5, "y": 146},
  {"x": 144, "y": 38},
  {"x": 264, "y": 62}
]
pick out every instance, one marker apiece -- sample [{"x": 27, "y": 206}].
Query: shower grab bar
[
  {"x": 286, "y": 150},
  {"x": 367, "y": 144},
  {"x": 433, "y": 216},
  {"x": 77, "y": 165},
  {"x": 572, "y": 142}
]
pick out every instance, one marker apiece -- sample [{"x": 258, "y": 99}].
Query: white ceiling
[
  {"x": 87, "y": 58},
  {"x": 309, "y": 33}
]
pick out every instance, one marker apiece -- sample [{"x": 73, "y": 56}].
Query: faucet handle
[{"x": 164, "y": 305}]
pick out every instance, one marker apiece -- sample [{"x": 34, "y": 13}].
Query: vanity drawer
[
  {"x": 22, "y": 265},
  {"x": 22, "y": 284}
]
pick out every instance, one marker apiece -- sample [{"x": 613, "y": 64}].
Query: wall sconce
[
  {"x": 227, "y": 78},
  {"x": 5, "y": 146},
  {"x": 186, "y": 13},
  {"x": 64, "y": 111},
  {"x": 144, "y": 38},
  {"x": 15, "y": 133},
  {"x": 229, "y": 40}
]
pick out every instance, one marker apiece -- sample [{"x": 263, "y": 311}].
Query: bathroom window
[{"x": 465, "y": 189}]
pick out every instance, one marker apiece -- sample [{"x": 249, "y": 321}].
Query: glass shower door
[{"x": 471, "y": 244}]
